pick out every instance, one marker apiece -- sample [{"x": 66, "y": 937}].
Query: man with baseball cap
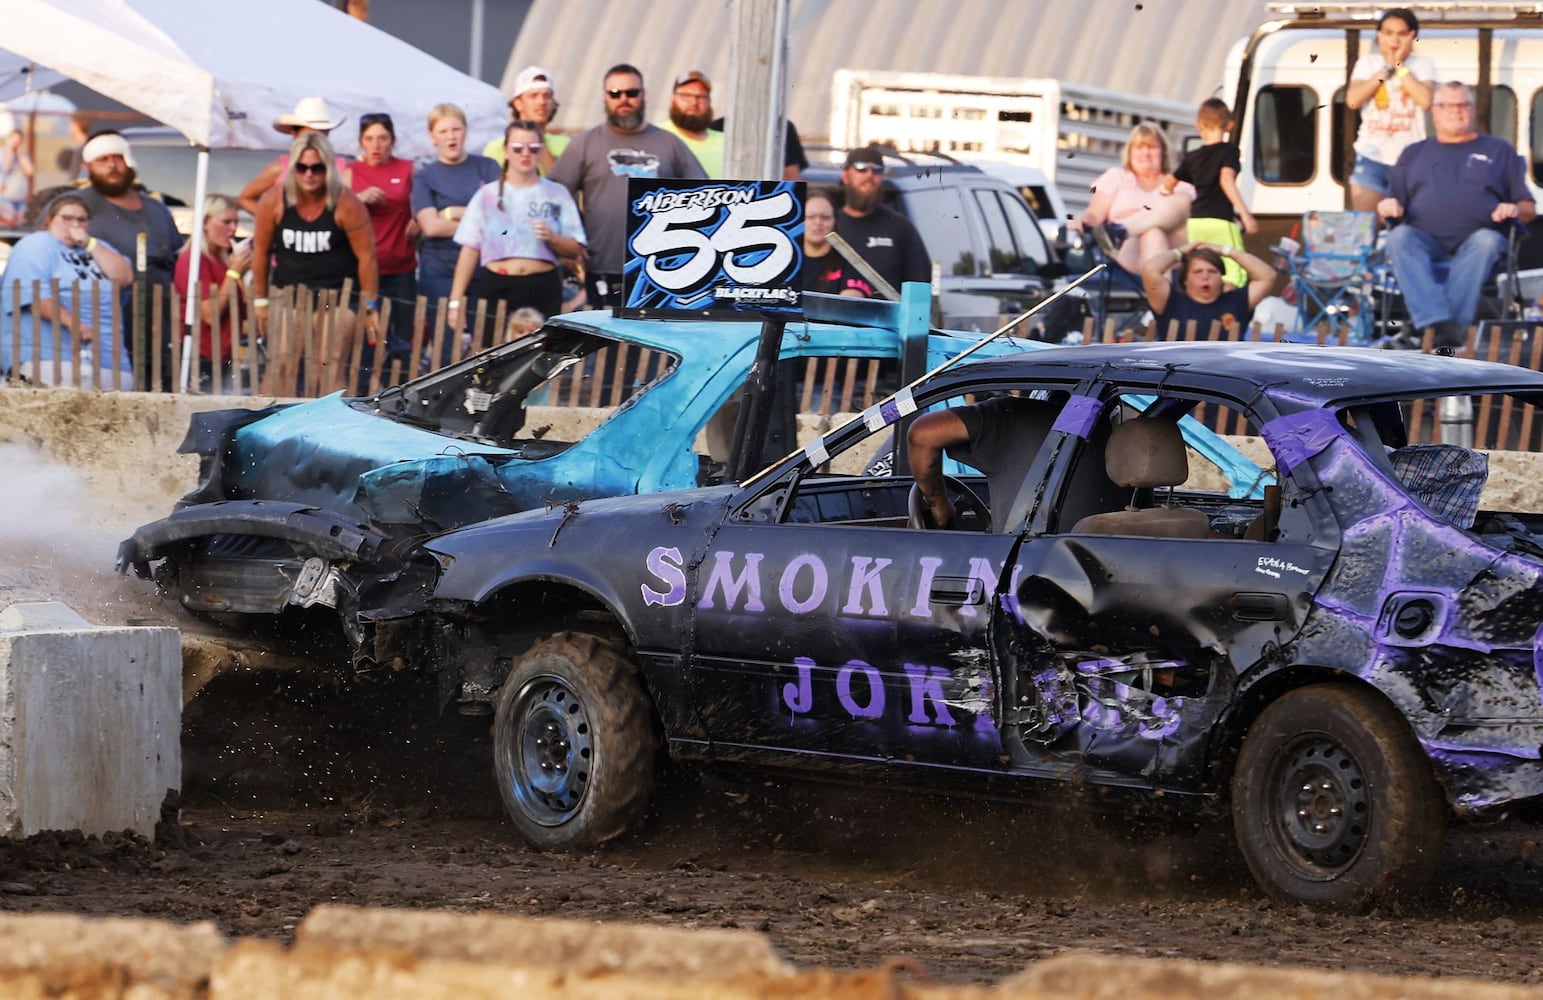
[
  {"x": 882, "y": 236},
  {"x": 691, "y": 115},
  {"x": 534, "y": 100}
]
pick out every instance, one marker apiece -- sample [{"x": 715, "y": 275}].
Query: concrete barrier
[
  {"x": 90, "y": 722},
  {"x": 341, "y": 953},
  {"x": 54, "y": 956}
]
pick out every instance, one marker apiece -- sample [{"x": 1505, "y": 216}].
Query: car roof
[
  {"x": 904, "y": 175},
  {"x": 678, "y": 336},
  {"x": 1294, "y": 377}
]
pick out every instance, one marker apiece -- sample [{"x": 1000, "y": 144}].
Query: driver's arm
[{"x": 931, "y": 433}]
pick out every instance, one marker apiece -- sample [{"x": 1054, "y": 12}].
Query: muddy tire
[
  {"x": 573, "y": 747},
  {"x": 1333, "y": 802}
]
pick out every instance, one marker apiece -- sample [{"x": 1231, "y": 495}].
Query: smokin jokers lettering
[
  {"x": 859, "y": 587},
  {"x": 704, "y": 248}
]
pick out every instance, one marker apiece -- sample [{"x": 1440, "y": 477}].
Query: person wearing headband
[{"x": 121, "y": 212}]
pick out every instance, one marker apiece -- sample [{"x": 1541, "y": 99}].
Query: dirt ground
[{"x": 295, "y": 796}]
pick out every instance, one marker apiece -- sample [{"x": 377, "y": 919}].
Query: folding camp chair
[
  {"x": 1332, "y": 273},
  {"x": 1502, "y": 297}
]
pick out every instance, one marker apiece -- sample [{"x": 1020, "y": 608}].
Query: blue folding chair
[{"x": 1332, "y": 274}]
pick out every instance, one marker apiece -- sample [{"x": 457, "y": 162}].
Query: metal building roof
[{"x": 1163, "y": 48}]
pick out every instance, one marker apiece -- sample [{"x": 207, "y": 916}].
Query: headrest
[{"x": 1146, "y": 452}]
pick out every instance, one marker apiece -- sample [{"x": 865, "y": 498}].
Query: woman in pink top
[
  {"x": 1130, "y": 217},
  {"x": 384, "y": 182},
  {"x": 518, "y": 227}
]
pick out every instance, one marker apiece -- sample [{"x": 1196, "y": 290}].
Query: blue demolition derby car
[{"x": 1337, "y": 661}]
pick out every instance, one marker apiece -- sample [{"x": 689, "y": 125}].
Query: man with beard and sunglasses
[
  {"x": 595, "y": 169},
  {"x": 691, "y": 118},
  {"x": 120, "y": 211},
  {"x": 883, "y": 237}
]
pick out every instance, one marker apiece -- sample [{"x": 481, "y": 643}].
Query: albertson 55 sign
[{"x": 704, "y": 248}]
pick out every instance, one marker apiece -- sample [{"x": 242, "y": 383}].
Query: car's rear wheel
[
  {"x": 1333, "y": 802},
  {"x": 573, "y": 745}
]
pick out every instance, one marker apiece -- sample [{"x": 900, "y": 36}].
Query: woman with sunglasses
[
  {"x": 517, "y": 227},
  {"x": 318, "y": 235},
  {"x": 384, "y": 182},
  {"x": 63, "y": 250}
]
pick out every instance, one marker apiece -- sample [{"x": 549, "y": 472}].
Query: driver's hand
[{"x": 943, "y": 512}]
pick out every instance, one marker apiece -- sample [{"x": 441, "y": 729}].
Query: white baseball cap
[{"x": 532, "y": 78}]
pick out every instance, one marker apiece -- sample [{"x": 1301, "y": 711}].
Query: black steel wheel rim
[
  {"x": 1322, "y": 806},
  {"x": 548, "y": 751}
]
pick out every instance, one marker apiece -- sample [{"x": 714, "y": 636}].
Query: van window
[
  {"x": 1038, "y": 200},
  {"x": 1285, "y": 134},
  {"x": 1502, "y": 113},
  {"x": 939, "y": 213},
  {"x": 1016, "y": 244}
]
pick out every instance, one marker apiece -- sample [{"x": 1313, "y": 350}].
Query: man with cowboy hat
[
  {"x": 534, "y": 100},
  {"x": 311, "y": 114}
]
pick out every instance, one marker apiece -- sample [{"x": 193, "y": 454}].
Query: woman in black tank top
[{"x": 315, "y": 232}]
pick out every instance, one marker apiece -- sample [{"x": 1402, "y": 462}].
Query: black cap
[{"x": 865, "y": 154}]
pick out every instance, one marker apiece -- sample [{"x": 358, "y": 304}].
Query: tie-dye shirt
[{"x": 501, "y": 233}]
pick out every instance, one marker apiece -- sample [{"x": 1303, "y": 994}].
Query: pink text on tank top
[{"x": 307, "y": 240}]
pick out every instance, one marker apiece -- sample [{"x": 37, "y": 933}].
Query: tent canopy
[{"x": 221, "y": 73}]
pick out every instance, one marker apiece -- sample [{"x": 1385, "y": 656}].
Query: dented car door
[{"x": 868, "y": 642}]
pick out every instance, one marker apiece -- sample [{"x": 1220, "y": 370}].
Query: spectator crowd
[{"x": 536, "y": 222}]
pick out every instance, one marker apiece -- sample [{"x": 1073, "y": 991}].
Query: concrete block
[
  {"x": 264, "y": 970},
  {"x": 576, "y": 947},
  {"x": 1087, "y": 976},
  {"x": 54, "y": 955},
  {"x": 90, "y": 722}
]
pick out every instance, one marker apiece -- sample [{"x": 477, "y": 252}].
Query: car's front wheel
[
  {"x": 573, "y": 745},
  {"x": 1333, "y": 802}
]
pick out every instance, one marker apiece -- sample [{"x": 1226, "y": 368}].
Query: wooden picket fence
[{"x": 304, "y": 353}]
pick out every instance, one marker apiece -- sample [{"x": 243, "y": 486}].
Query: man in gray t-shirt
[{"x": 595, "y": 168}]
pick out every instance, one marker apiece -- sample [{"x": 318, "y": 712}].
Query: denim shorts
[{"x": 1370, "y": 174}]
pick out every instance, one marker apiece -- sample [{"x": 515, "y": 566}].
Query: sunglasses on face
[
  {"x": 868, "y": 168},
  {"x": 525, "y": 147},
  {"x": 617, "y": 95},
  {"x": 310, "y": 168}
]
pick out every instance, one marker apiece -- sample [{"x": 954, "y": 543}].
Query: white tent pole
[
  {"x": 190, "y": 312},
  {"x": 474, "y": 64}
]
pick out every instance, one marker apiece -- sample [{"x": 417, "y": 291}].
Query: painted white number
[{"x": 670, "y": 232}]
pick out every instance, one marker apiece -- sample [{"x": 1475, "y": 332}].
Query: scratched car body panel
[
  {"x": 289, "y": 493},
  {"x": 799, "y": 621},
  {"x": 281, "y": 485}
]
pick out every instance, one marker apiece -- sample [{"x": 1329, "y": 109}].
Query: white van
[{"x": 1295, "y": 133}]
